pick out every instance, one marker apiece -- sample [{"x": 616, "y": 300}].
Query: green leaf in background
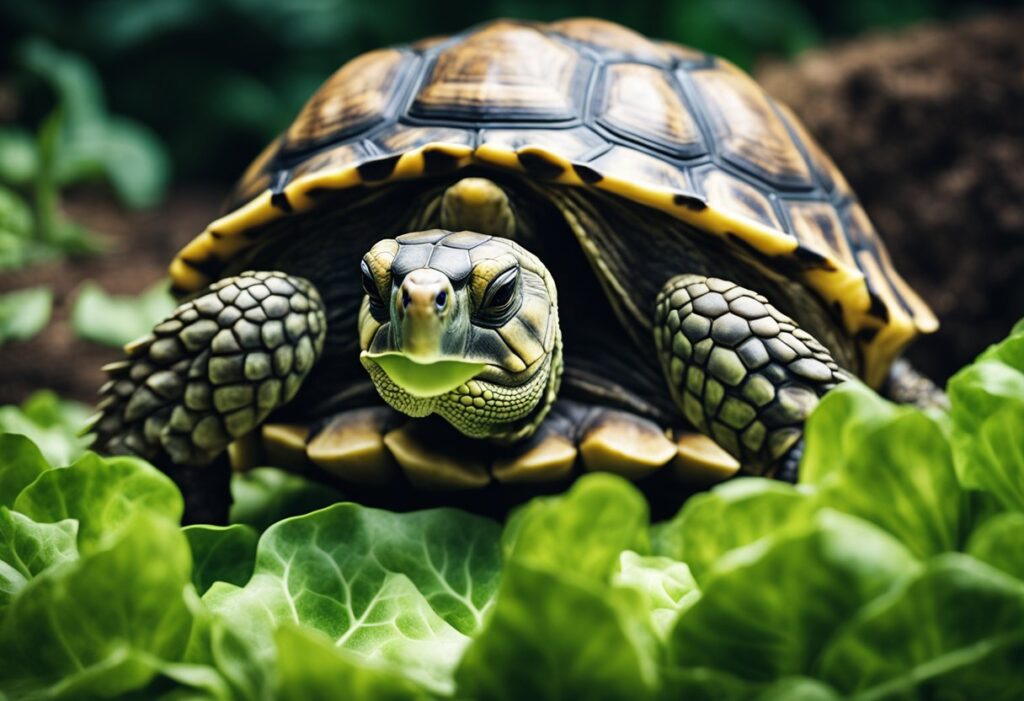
[
  {"x": 73, "y": 79},
  {"x": 265, "y": 495},
  {"x": 956, "y": 630},
  {"x": 18, "y": 247},
  {"x": 102, "y": 493},
  {"x": 92, "y": 142},
  {"x": 311, "y": 667},
  {"x": 53, "y": 424},
  {"x": 16, "y": 218},
  {"x": 28, "y": 548},
  {"x": 583, "y": 531},
  {"x": 134, "y": 161},
  {"x": 221, "y": 553},
  {"x": 733, "y": 514},
  {"x": 17, "y": 156},
  {"x": 24, "y": 313},
  {"x": 20, "y": 464},
  {"x": 999, "y": 542},
  {"x": 401, "y": 589},
  {"x": 768, "y": 608},
  {"x": 551, "y": 637},
  {"x": 666, "y": 587},
  {"x": 100, "y": 626},
  {"x": 115, "y": 320},
  {"x": 898, "y": 474}
]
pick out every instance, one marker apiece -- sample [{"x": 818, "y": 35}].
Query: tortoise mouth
[{"x": 424, "y": 379}]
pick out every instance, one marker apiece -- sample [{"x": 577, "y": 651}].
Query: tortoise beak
[{"x": 423, "y": 308}]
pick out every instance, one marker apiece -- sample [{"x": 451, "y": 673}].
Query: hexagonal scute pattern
[
  {"x": 213, "y": 370},
  {"x": 741, "y": 371}
]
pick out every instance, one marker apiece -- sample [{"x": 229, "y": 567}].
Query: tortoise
[{"x": 511, "y": 254}]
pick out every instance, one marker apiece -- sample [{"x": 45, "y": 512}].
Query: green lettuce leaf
[
  {"x": 218, "y": 662},
  {"x": 311, "y": 667},
  {"x": 20, "y": 464},
  {"x": 955, "y": 631},
  {"x": 999, "y": 542},
  {"x": 992, "y": 454},
  {"x": 583, "y": 531},
  {"x": 666, "y": 587},
  {"x": 102, "y": 494},
  {"x": 887, "y": 464},
  {"x": 101, "y": 625},
  {"x": 263, "y": 496},
  {"x": 28, "y": 548},
  {"x": 767, "y": 609},
  {"x": 1009, "y": 351},
  {"x": 221, "y": 554},
  {"x": 51, "y": 423},
  {"x": 555, "y": 637},
  {"x": 401, "y": 589},
  {"x": 706, "y": 684},
  {"x": 732, "y": 515},
  {"x": 987, "y": 400}
]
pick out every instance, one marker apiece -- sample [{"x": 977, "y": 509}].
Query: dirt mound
[{"x": 927, "y": 126}]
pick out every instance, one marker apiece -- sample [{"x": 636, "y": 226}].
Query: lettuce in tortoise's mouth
[{"x": 425, "y": 379}]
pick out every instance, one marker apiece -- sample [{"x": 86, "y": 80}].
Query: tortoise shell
[{"x": 586, "y": 103}]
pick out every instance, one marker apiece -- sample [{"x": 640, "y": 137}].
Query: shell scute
[
  {"x": 747, "y": 129},
  {"x": 504, "y": 71},
  {"x": 640, "y": 101},
  {"x": 353, "y": 99}
]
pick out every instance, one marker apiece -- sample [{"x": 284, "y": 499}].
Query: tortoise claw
[
  {"x": 548, "y": 456},
  {"x": 701, "y": 461},
  {"x": 284, "y": 445},
  {"x": 431, "y": 469},
  {"x": 352, "y": 446},
  {"x": 624, "y": 443}
]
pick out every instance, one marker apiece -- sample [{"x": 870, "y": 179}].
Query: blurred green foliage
[
  {"x": 115, "y": 320},
  {"x": 24, "y": 313},
  {"x": 72, "y": 139},
  {"x": 216, "y": 79}
]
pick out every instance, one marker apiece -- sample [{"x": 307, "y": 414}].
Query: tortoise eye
[{"x": 501, "y": 296}]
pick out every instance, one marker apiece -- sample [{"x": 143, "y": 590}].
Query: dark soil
[
  {"x": 928, "y": 126},
  {"x": 138, "y": 248}
]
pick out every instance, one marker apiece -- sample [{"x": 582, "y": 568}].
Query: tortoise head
[{"x": 462, "y": 325}]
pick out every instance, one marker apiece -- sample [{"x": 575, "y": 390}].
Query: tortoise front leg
[
  {"x": 212, "y": 371},
  {"x": 741, "y": 371}
]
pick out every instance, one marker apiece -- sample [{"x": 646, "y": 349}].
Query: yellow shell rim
[{"x": 833, "y": 280}]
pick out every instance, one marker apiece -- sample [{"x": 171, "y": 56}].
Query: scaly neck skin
[{"x": 526, "y": 428}]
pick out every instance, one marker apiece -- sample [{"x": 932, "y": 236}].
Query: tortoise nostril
[{"x": 441, "y": 300}]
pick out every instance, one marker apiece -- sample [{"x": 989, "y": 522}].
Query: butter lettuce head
[{"x": 894, "y": 570}]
